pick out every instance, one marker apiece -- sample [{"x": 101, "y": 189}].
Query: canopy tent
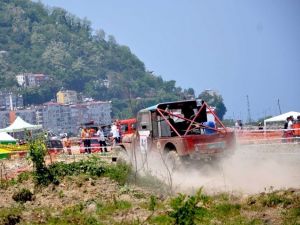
[
  {"x": 281, "y": 118},
  {"x": 5, "y": 138},
  {"x": 20, "y": 125}
]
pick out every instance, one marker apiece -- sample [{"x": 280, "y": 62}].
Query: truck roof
[{"x": 171, "y": 105}]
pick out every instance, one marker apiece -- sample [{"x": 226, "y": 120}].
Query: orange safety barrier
[
  {"x": 259, "y": 136},
  {"x": 296, "y": 131}
]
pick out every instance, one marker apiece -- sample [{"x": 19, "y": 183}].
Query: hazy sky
[{"x": 236, "y": 47}]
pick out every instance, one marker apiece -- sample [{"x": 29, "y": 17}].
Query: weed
[
  {"x": 37, "y": 152},
  {"x": 150, "y": 181},
  {"x": 227, "y": 209},
  {"x": 24, "y": 176},
  {"x": 152, "y": 203},
  {"x": 74, "y": 215},
  {"x": 162, "y": 220},
  {"x": 108, "y": 208},
  {"x": 186, "y": 209},
  {"x": 61, "y": 194},
  {"x": 119, "y": 172},
  {"x": 273, "y": 199},
  {"x": 292, "y": 216},
  {"x": 23, "y": 196},
  {"x": 10, "y": 216},
  {"x": 4, "y": 184}
]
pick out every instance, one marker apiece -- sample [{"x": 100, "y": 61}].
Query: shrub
[
  {"x": 10, "y": 216},
  {"x": 119, "y": 172},
  {"x": 23, "y": 196},
  {"x": 273, "y": 199},
  {"x": 24, "y": 176},
  {"x": 152, "y": 203},
  {"x": 37, "y": 152},
  {"x": 185, "y": 209}
]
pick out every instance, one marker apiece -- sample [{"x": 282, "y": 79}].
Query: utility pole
[
  {"x": 248, "y": 107},
  {"x": 278, "y": 103}
]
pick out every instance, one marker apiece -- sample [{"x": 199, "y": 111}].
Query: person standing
[
  {"x": 67, "y": 145},
  {"x": 85, "y": 136},
  {"x": 115, "y": 134},
  {"x": 101, "y": 139}
]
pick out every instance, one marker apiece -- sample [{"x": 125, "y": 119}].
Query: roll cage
[{"x": 192, "y": 115}]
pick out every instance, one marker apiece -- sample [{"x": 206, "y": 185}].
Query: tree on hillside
[
  {"x": 52, "y": 41},
  {"x": 214, "y": 99}
]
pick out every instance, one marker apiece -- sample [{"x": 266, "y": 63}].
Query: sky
[{"x": 238, "y": 48}]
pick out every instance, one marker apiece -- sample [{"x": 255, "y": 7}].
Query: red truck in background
[
  {"x": 127, "y": 126},
  {"x": 179, "y": 130}
]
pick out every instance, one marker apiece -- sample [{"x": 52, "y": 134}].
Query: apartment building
[
  {"x": 55, "y": 117},
  {"x": 8, "y": 100},
  {"x": 4, "y": 119},
  {"x": 62, "y": 118}
]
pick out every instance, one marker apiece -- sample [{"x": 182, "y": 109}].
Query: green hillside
[{"x": 38, "y": 39}]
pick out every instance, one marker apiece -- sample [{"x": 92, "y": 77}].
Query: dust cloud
[{"x": 250, "y": 170}]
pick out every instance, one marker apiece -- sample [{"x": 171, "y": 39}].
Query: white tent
[
  {"x": 20, "y": 125},
  {"x": 281, "y": 118},
  {"x": 6, "y": 138}
]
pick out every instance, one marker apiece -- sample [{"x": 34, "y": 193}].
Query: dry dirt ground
[
  {"x": 52, "y": 200},
  {"x": 72, "y": 192}
]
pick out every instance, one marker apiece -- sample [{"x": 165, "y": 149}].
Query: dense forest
[{"x": 38, "y": 39}]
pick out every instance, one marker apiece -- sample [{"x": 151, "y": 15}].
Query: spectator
[
  {"x": 101, "y": 139},
  {"x": 238, "y": 125},
  {"x": 85, "y": 135},
  {"x": 288, "y": 125},
  {"x": 67, "y": 144},
  {"x": 115, "y": 133}
]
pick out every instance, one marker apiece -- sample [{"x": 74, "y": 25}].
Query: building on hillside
[
  {"x": 31, "y": 80},
  {"x": 97, "y": 111},
  {"x": 27, "y": 115},
  {"x": 62, "y": 118},
  {"x": 8, "y": 100},
  {"x": 54, "y": 117},
  {"x": 4, "y": 119},
  {"x": 105, "y": 83},
  {"x": 67, "y": 97}
]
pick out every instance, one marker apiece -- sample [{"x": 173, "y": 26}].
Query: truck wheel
[{"x": 173, "y": 160}]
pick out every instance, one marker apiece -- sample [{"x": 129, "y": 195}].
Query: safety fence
[{"x": 265, "y": 137}]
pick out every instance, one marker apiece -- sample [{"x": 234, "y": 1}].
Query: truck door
[{"x": 144, "y": 128}]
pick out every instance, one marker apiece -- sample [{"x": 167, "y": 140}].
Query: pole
[
  {"x": 278, "y": 103},
  {"x": 248, "y": 107}
]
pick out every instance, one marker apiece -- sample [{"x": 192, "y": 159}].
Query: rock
[{"x": 91, "y": 208}]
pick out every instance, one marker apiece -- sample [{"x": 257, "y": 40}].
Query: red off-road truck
[{"x": 180, "y": 130}]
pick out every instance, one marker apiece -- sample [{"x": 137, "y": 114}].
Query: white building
[{"x": 30, "y": 79}]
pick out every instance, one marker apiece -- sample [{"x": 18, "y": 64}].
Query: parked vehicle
[
  {"x": 127, "y": 126},
  {"x": 180, "y": 131},
  {"x": 54, "y": 146}
]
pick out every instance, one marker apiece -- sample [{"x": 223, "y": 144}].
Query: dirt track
[{"x": 251, "y": 169}]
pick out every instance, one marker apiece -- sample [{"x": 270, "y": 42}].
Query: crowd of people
[{"x": 88, "y": 133}]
